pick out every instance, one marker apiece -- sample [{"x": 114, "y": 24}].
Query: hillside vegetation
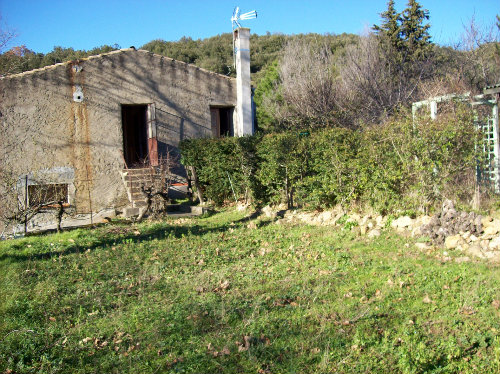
[
  {"x": 311, "y": 80},
  {"x": 225, "y": 294}
]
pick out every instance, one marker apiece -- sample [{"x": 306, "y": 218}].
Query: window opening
[{"x": 47, "y": 194}]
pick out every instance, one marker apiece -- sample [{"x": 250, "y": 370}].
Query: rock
[
  {"x": 447, "y": 206},
  {"x": 362, "y": 229},
  {"x": 375, "y": 233},
  {"x": 268, "y": 212},
  {"x": 402, "y": 222},
  {"x": 495, "y": 243},
  {"x": 416, "y": 232},
  {"x": 423, "y": 220},
  {"x": 485, "y": 245},
  {"x": 325, "y": 217},
  {"x": 493, "y": 256},
  {"x": 380, "y": 221},
  {"x": 459, "y": 260},
  {"x": 485, "y": 221},
  {"x": 453, "y": 241},
  {"x": 362, "y": 221},
  {"x": 478, "y": 226},
  {"x": 354, "y": 217},
  {"x": 476, "y": 251},
  {"x": 423, "y": 246},
  {"x": 473, "y": 238},
  {"x": 491, "y": 230}
]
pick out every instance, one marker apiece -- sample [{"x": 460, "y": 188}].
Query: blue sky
[{"x": 43, "y": 24}]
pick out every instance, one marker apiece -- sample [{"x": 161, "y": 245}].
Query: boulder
[
  {"x": 403, "y": 222},
  {"x": 380, "y": 221},
  {"x": 416, "y": 232},
  {"x": 476, "y": 251},
  {"x": 495, "y": 243},
  {"x": 325, "y": 217},
  {"x": 493, "y": 256},
  {"x": 268, "y": 212},
  {"x": 423, "y": 246},
  {"x": 375, "y": 233},
  {"x": 485, "y": 244},
  {"x": 453, "y": 241},
  {"x": 491, "y": 230},
  {"x": 423, "y": 220}
]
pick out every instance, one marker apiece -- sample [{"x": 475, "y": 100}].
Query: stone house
[{"x": 79, "y": 126}]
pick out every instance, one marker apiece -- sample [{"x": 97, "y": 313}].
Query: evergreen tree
[
  {"x": 415, "y": 33},
  {"x": 390, "y": 29}
]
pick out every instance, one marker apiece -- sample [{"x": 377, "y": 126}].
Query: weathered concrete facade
[{"x": 66, "y": 122}]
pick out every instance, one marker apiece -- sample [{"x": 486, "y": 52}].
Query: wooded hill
[
  {"x": 214, "y": 53},
  {"x": 313, "y": 81}
]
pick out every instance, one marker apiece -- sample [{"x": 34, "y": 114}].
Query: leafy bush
[
  {"x": 401, "y": 165},
  {"x": 283, "y": 165},
  {"x": 220, "y": 163}
]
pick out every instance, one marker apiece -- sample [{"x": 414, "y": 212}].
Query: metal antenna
[{"x": 235, "y": 21}]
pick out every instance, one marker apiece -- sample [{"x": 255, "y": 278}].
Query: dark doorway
[
  {"x": 222, "y": 121},
  {"x": 135, "y": 135}
]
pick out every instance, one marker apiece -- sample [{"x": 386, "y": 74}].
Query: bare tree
[
  {"x": 373, "y": 83},
  {"x": 6, "y": 35},
  {"x": 308, "y": 89},
  {"x": 156, "y": 188},
  {"x": 24, "y": 200},
  {"x": 478, "y": 61}
]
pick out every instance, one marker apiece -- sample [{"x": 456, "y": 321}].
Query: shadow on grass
[{"x": 108, "y": 240}]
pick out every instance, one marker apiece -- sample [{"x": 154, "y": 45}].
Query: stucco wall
[{"x": 43, "y": 127}]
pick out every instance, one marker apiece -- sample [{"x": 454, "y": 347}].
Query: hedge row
[{"x": 397, "y": 166}]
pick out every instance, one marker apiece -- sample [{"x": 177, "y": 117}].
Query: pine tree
[
  {"x": 390, "y": 29},
  {"x": 415, "y": 33}
]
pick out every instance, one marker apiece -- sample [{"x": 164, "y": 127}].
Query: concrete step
[
  {"x": 140, "y": 171},
  {"x": 137, "y": 179},
  {"x": 139, "y": 203}
]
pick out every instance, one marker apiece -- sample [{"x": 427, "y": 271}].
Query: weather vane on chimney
[
  {"x": 235, "y": 21},
  {"x": 241, "y": 17}
]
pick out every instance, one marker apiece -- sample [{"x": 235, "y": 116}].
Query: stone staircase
[{"x": 133, "y": 180}]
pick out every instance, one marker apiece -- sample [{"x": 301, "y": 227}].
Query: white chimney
[{"x": 244, "y": 126}]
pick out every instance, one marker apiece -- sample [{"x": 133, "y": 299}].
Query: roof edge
[{"x": 93, "y": 57}]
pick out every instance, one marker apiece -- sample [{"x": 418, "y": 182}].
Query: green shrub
[
  {"x": 283, "y": 165},
  {"x": 332, "y": 177},
  {"x": 401, "y": 165}
]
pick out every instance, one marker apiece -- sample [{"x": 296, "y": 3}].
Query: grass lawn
[{"x": 211, "y": 295}]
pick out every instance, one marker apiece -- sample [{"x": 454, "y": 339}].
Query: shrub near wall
[
  {"x": 220, "y": 163},
  {"x": 283, "y": 165},
  {"x": 333, "y": 168},
  {"x": 397, "y": 166}
]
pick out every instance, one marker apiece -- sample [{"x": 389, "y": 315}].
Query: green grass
[{"x": 211, "y": 295}]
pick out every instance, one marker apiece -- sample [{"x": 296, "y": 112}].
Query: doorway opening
[
  {"x": 135, "y": 135},
  {"x": 222, "y": 121}
]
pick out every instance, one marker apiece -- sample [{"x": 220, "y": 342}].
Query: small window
[{"x": 47, "y": 194}]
